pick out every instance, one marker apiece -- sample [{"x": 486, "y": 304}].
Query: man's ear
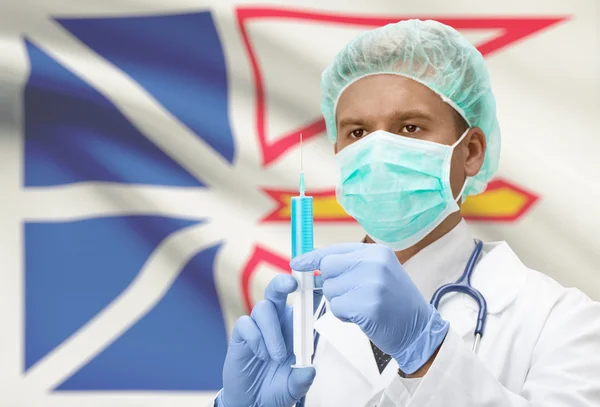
[{"x": 475, "y": 151}]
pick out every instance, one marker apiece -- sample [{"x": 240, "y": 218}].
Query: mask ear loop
[
  {"x": 460, "y": 139},
  {"x": 462, "y": 190}
]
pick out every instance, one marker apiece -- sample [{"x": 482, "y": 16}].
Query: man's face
[{"x": 405, "y": 107}]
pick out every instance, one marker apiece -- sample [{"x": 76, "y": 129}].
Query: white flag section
[{"x": 148, "y": 150}]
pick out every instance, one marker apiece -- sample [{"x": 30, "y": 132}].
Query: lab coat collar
[
  {"x": 443, "y": 261},
  {"x": 498, "y": 276}
]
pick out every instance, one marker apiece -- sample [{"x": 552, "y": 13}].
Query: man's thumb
[{"x": 300, "y": 381}]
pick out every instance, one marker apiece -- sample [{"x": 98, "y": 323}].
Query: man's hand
[
  {"x": 257, "y": 369},
  {"x": 365, "y": 284}
]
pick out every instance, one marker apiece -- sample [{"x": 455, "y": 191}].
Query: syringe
[{"x": 303, "y": 242}]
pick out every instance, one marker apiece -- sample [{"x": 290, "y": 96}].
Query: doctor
[{"x": 410, "y": 110}]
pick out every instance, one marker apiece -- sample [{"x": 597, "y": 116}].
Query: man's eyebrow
[
  {"x": 351, "y": 121},
  {"x": 412, "y": 114},
  {"x": 396, "y": 115}
]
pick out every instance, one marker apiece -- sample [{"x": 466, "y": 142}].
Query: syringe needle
[
  {"x": 301, "y": 155},
  {"x": 301, "y": 188}
]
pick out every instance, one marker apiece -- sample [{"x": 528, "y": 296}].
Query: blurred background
[{"x": 148, "y": 150}]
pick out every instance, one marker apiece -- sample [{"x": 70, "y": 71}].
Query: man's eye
[
  {"x": 358, "y": 133},
  {"x": 410, "y": 128}
]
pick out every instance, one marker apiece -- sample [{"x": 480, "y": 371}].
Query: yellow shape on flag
[{"x": 500, "y": 202}]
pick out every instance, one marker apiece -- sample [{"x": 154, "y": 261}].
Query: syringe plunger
[{"x": 303, "y": 319}]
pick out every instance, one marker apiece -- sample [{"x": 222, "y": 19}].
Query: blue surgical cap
[{"x": 432, "y": 54}]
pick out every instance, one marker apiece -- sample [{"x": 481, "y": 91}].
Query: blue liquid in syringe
[{"x": 302, "y": 222}]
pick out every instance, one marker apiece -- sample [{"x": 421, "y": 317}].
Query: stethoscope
[{"x": 462, "y": 285}]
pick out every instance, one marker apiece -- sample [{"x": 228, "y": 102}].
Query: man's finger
[
  {"x": 335, "y": 265},
  {"x": 345, "y": 307},
  {"x": 267, "y": 320},
  {"x": 246, "y": 332},
  {"x": 278, "y": 289},
  {"x": 336, "y": 287},
  {"x": 312, "y": 260},
  {"x": 300, "y": 380}
]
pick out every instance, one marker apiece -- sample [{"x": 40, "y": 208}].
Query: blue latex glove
[
  {"x": 366, "y": 284},
  {"x": 257, "y": 370}
]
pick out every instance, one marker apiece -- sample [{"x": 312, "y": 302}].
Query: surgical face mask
[{"x": 397, "y": 188}]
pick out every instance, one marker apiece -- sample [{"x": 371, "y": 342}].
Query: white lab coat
[{"x": 541, "y": 347}]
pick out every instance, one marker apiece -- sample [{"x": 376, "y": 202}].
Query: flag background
[{"x": 147, "y": 151}]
